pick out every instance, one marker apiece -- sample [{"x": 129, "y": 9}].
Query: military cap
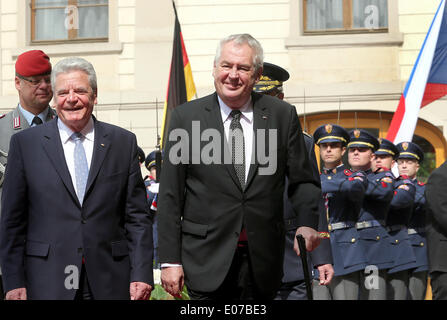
[
  {"x": 33, "y": 63},
  {"x": 150, "y": 160},
  {"x": 410, "y": 150},
  {"x": 387, "y": 148},
  {"x": 361, "y": 138},
  {"x": 331, "y": 133},
  {"x": 141, "y": 155},
  {"x": 272, "y": 78}
]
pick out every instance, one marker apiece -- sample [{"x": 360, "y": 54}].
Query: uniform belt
[
  {"x": 368, "y": 224},
  {"x": 415, "y": 230},
  {"x": 339, "y": 225},
  {"x": 395, "y": 227}
]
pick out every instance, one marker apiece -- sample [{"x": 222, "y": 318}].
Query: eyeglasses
[{"x": 36, "y": 82}]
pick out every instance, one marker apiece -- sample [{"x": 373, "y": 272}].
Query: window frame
[
  {"x": 72, "y": 34},
  {"x": 348, "y": 19},
  {"x": 297, "y": 39}
]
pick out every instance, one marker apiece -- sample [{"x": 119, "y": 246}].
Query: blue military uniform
[
  {"x": 416, "y": 227},
  {"x": 396, "y": 223},
  {"x": 374, "y": 236},
  {"x": 343, "y": 192}
]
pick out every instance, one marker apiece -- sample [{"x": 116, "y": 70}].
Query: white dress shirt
[{"x": 69, "y": 145}]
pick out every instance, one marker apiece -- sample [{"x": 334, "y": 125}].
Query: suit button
[
  {"x": 353, "y": 240},
  {"x": 83, "y": 221},
  {"x": 377, "y": 238}
]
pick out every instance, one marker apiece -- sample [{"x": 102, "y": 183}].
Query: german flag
[{"x": 181, "y": 86}]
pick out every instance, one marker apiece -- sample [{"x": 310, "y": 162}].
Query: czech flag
[
  {"x": 427, "y": 82},
  {"x": 181, "y": 86}
]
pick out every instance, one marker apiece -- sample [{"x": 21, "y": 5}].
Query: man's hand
[
  {"x": 16, "y": 294},
  {"x": 172, "y": 280},
  {"x": 326, "y": 272},
  {"x": 140, "y": 291},
  {"x": 310, "y": 236}
]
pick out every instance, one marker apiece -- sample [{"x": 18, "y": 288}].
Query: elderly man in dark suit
[
  {"x": 436, "y": 228},
  {"x": 221, "y": 225},
  {"x": 75, "y": 223}
]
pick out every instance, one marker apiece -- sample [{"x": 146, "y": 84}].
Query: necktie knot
[
  {"x": 36, "y": 121},
  {"x": 236, "y": 115},
  {"x": 77, "y": 136}
]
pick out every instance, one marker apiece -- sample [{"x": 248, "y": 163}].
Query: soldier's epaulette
[
  {"x": 420, "y": 183},
  {"x": 2, "y": 115},
  {"x": 305, "y": 133}
]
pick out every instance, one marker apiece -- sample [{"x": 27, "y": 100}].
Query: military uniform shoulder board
[
  {"x": 305, "y": 133},
  {"x": 347, "y": 172},
  {"x": 2, "y": 115},
  {"x": 421, "y": 183}
]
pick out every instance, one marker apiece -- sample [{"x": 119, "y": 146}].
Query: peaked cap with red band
[{"x": 33, "y": 63}]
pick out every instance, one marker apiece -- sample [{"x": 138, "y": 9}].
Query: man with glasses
[{"x": 32, "y": 81}]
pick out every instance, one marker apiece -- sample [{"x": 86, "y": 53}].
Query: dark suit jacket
[
  {"x": 44, "y": 229},
  {"x": 202, "y": 207},
  {"x": 293, "y": 267},
  {"x": 436, "y": 219}
]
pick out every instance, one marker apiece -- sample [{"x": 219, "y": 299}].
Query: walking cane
[{"x": 303, "y": 255}]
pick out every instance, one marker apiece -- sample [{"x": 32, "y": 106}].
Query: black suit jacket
[
  {"x": 293, "y": 267},
  {"x": 436, "y": 219},
  {"x": 44, "y": 229},
  {"x": 202, "y": 207}
]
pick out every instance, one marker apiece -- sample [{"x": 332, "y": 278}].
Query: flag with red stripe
[
  {"x": 181, "y": 86},
  {"x": 427, "y": 82}
]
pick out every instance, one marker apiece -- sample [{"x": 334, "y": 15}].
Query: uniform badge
[
  {"x": 387, "y": 180},
  {"x": 347, "y": 172},
  {"x": 356, "y": 133},
  {"x": 405, "y": 146},
  {"x": 328, "y": 128},
  {"x": 380, "y": 140},
  {"x": 421, "y": 183},
  {"x": 16, "y": 122}
]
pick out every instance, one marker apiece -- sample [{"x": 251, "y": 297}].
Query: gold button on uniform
[
  {"x": 397, "y": 241},
  {"x": 329, "y": 178},
  {"x": 377, "y": 238},
  {"x": 422, "y": 244},
  {"x": 353, "y": 240}
]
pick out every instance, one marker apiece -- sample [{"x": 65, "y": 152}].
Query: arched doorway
[{"x": 429, "y": 137}]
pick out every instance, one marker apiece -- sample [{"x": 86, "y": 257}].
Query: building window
[
  {"x": 69, "y": 20},
  {"x": 341, "y": 16}
]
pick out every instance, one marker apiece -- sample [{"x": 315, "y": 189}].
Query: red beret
[{"x": 33, "y": 63}]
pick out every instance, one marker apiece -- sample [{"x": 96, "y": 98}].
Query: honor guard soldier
[
  {"x": 343, "y": 192},
  {"x": 374, "y": 237},
  {"x": 408, "y": 162},
  {"x": 396, "y": 222},
  {"x": 293, "y": 286},
  {"x": 151, "y": 184},
  {"x": 32, "y": 81}
]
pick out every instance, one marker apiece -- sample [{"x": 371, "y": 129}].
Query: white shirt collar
[
  {"x": 66, "y": 132},
  {"x": 247, "y": 110}
]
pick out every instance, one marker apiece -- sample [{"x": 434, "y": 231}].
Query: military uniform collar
[{"x": 334, "y": 170}]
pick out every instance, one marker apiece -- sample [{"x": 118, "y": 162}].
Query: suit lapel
[
  {"x": 53, "y": 147},
  {"x": 260, "y": 122},
  {"x": 214, "y": 119},
  {"x": 100, "y": 148}
]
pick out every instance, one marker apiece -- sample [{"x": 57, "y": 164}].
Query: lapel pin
[{"x": 264, "y": 117}]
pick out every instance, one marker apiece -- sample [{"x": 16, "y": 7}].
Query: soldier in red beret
[{"x": 32, "y": 81}]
